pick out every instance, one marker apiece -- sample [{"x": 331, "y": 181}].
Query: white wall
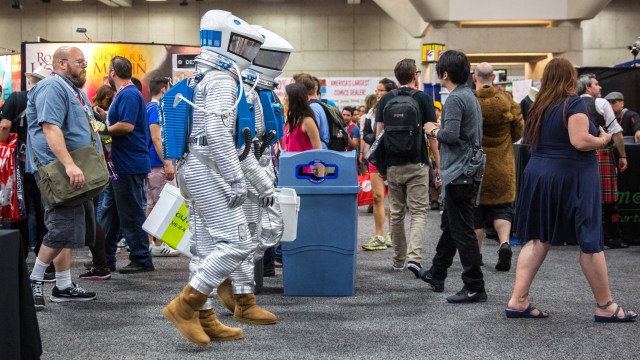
[{"x": 331, "y": 38}]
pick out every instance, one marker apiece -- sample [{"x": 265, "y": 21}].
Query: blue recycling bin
[{"x": 322, "y": 259}]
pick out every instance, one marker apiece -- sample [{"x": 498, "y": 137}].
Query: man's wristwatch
[{"x": 433, "y": 132}]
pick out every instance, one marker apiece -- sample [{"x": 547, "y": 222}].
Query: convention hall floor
[{"x": 392, "y": 316}]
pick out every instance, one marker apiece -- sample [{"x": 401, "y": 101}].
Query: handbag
[
  {"x": 54, "y": 182},
  {"x": 376, "y": 155}
]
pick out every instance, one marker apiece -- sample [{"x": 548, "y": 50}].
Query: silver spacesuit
[
  {"x": 211, "y": 179},
  {"x": 262, "y": 210}
]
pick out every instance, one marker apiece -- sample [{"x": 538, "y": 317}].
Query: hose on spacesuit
[
  {"x": 265, "y": 143},
  {"x": 247, "y": 144}
]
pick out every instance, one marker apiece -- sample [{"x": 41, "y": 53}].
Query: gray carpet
[{"x": 392, "y": 316}]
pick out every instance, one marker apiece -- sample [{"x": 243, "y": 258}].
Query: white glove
[{"x": 238, "y": 194}]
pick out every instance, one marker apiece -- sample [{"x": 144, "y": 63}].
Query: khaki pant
[{"x": 408, "y": 189}]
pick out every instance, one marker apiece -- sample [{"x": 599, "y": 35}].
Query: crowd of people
[{"x": 457, "y": 155}]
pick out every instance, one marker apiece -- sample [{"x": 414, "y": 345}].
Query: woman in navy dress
[{"x": 560, "y": 199}]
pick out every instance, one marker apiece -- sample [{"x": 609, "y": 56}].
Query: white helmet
[
  {"x": 225, "y": 34},
  {"x": 273, "y": 55}
]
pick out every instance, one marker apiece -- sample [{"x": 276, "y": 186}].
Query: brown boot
[
  {"x": 225, "y": 294},
  {"x": 183, "y": 313},
  {"x": 216, "y": 330},
  {"x": 249, "y": 313}
]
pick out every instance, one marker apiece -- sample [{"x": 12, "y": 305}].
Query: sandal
[
  {"x": 628, "y": 315},
  {"x": 526, "y": 313}
]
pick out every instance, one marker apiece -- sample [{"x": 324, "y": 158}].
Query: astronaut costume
[
  {"x": 264, "y": 216},
  {"x": 213, "y": 182}
]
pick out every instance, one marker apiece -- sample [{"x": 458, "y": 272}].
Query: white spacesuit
[
  {"x": 212, "y": 180},
  {"x": 263, "y": 216}
]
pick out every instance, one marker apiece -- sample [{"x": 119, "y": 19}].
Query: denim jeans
[
  {"x": 458, "y": 235},
  {"x": 122, "y": 210}
]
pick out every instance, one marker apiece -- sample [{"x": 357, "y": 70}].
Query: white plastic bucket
[
  {"x": 289, "y": 205},
  {"x": 168, "y": 220}
]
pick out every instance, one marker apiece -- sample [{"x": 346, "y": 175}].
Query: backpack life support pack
[
  {"x": 338, "y": 135},
  {"x": 272, "y": 114},
  {"x": 402, "y": 124},
  {"x": 176, "y": 119}
]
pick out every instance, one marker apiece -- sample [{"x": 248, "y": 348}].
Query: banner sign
[
  {"x": 148, "y": 60},
  {"x": 344, "y": 91},
  {"x": 9, "y": 74}
]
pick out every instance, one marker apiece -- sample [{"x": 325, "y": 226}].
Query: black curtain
[{"x": 624, "y": 80}]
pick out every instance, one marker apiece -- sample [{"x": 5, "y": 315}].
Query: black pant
[
  {"x": 610, "y": 222},
  {"x": 458, "y": 234},
  {"x": 98, "y": 252}
]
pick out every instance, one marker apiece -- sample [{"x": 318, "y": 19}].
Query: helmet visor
[
  {"x": 243, "y": 46},
  {"x": 270, "y": 59}
]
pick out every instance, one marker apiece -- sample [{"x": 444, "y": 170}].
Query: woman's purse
[{"x": 376, "y": 155}]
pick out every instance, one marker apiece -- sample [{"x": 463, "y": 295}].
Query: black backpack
[
  {"x": 402, "y": 124},
  {"x": 338, "y": 134}
]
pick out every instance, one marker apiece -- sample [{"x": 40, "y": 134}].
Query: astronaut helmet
[
  {"x": 272, "y": 56},
  {"x": 229, "y": 36}
]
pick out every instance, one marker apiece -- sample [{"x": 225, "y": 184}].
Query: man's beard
[
  {"x": 112, "y": 83},
  {"x": 78, "y": 80}
]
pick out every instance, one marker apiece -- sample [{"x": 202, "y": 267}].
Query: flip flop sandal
[
  {"x": 628, "y": 315},
  {"x": 526, "y": 313}
]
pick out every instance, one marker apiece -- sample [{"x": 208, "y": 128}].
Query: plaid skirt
[{"x": 608, "y": 176}]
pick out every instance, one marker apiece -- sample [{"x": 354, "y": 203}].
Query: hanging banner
[
  {"x": 148, "y": 60},
  {"x": 9, "y": 74},
  {"x": 344, "y": 91}
]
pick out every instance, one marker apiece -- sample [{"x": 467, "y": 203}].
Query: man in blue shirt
[
  {"x": 318, "y": 111},
  {"x": 162, "y": 171},
  {"x": 121, "y": 206},
  {"x": 58, "y": 116}
]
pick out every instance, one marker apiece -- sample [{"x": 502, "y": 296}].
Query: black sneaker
[
  {"x": 38, "y": 294},
  {"x": 49, "y": 277},
  {"x": 73, "y": 293},
  {"x": 617, "y": 243},
  {"x": 504, "y": 257},
  {"x": 415, "y": 268},
  {"x": 95, "y": 274},
  {"x": 436, "y": 285},
  {"x": 134, "y": 268},
  {"x": 466, "y": 296},
  {"x": 269, "y": 272}
]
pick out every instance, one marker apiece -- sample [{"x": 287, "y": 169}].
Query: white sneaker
[{"x": 163, "y": 250}]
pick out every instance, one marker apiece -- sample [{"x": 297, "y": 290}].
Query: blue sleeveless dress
[{"x": 560, "y": 199}]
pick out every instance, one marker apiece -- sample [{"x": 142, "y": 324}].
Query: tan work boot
[
  {"x": 216, "y": 330},
  {"x": 225, "y": 294},
  {"x": 249, "y": 313},
  {"x": 183, "y": 313}
]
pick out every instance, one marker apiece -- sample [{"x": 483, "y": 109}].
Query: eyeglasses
[
  {"x": 418, "y": 72},
  {"x": 78, "y": 62}
]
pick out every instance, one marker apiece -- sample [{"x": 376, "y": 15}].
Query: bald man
[
  {"x": 502, "y": 125},
  {"x": 58, "y": 114}
]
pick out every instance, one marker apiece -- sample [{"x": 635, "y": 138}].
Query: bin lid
[{"x": 297, "y": 171}]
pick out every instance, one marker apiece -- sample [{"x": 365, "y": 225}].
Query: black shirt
[
  {"x": 14, "y": 106},
  {"x": 630, "y": 123},
  {"x": 428, "y": 115}
]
